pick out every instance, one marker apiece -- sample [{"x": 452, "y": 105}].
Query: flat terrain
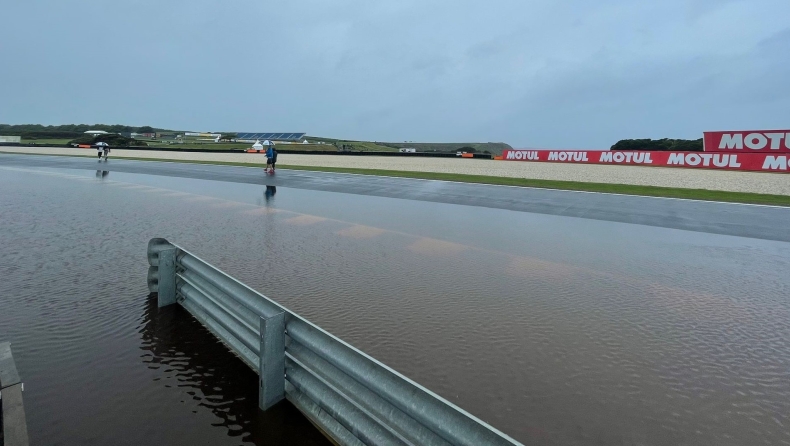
[
  {"x": 750, "y": 182},
  {"x": 201, "y": 145}
]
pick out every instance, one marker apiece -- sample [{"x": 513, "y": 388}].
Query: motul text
[
  {"x": 748, "y": 141},
  {"x": 727, "y": 161}
]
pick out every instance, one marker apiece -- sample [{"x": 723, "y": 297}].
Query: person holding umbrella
[{"x": 104, "y": 149}]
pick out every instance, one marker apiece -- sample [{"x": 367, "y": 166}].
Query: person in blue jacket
[{"x": 270, "y": 159}]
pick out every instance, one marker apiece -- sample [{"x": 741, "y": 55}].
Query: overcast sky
[{"x": 532, "y": 73}]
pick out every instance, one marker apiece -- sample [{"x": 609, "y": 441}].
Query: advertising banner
[
  {"x": 765, "y": 162},
  {"x": 760, "y": 141}
]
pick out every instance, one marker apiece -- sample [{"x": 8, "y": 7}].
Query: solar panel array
[{"x": 270, "y": 136}]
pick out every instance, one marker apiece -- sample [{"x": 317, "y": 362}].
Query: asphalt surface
[{"x": 763, "y": 222}]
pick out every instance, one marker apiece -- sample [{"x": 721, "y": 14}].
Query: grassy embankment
[
  {"x": 626, "y": 189},
  {"x": 330, "y": 144},
  {"x": 47, "y": 141},
  {"x": 208, "y": 145},
  {"x": 59, "y": 135},
  {"x": 480, "y": 147}
]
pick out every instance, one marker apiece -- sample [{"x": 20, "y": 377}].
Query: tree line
[
  {"x": 113, "y": 139},
  {"x": 38, "y": 131},
  {"x": 666, "y": 144}
]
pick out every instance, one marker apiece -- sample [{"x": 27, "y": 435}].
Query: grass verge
[{"x": 625, "y": 189}]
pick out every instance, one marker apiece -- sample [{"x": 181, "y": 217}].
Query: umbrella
[{"x": 102, "y": 144}]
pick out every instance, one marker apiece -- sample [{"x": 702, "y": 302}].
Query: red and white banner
[
  {"x": 748, "y": 141},
  {"x": 766, "y": 162}
]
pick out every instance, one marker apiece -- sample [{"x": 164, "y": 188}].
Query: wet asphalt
[{"x": 754, "y": 221}]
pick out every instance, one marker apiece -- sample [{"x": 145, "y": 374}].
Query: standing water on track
[{"x": 555, "y": 330}]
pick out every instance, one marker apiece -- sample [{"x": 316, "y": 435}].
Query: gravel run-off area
[{"x": 755, "y": 182}]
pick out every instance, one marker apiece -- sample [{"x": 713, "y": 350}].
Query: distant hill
[
  {"x": 352, "y": 145},
  {"x": 495, "y": 148},
  {"x": 34, "y": 132},
  {"x": 479, "y": 147},
  {"x": 38, "y": 131}
]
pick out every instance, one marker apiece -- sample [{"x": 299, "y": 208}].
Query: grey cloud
[{"x": 529, "y": 72}]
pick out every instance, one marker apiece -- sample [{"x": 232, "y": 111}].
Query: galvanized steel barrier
[
  {"x": 352, "y": 397},
  {"x": 14, "y": 426}
]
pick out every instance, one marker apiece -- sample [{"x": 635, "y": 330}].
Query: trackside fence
[{"x": 351, "y": 397}]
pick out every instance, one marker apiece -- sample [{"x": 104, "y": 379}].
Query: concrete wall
[{"x": 10, "y": 139}]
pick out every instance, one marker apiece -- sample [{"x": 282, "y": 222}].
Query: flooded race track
[{"x": 555, "y": 330}]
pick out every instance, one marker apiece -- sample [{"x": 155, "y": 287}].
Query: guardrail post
[
  {"x": 271, "y": 363},
  {"x": 167, "y": 277},
  {"x": 14, "y": 423},
  {"x": 14, "y": 428}
]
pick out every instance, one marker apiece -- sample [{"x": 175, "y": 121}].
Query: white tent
[{"x": 257, "y": 145}]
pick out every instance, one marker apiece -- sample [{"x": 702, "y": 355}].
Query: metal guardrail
[
  {"x": 351, "y": 397},
  {"x": 14, "y": 428}
]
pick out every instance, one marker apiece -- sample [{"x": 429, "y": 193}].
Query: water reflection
[
  {"x": 581, "y": 332},
  {"x": 189, "y": 357},
  {"x": 101, "y": 174},
  {"x": 268, "y": 197},
  {"x": 269, "y": 194}
]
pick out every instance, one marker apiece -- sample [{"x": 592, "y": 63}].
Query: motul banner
[
  {"x": 748, "y": 141},
  {"x": 728, "y": 161}
]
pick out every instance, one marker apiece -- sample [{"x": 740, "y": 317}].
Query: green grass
[
  {"x": 626, "y": 189},
  {"x": 159, "y": 144},
  {"x": 53, "y": 141},
  {"x": 199, "y": 146},
  {"x": 366, "y": 146},
  {"x": 242, "y": 146},
  {"x": 492, "y": 147}
]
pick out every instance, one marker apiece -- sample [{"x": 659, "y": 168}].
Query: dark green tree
[{"x": 675, "y": 145}]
